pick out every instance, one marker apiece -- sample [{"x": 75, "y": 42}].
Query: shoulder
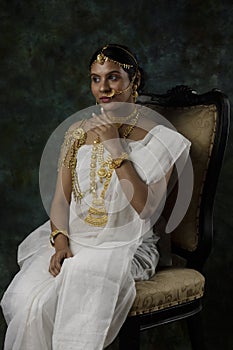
[
  {"x": 144, "y": 126},
  {"x": 75, "y": 126},
  {"x": 76, "y": 132},
  {"x": 167, "y": 142}
]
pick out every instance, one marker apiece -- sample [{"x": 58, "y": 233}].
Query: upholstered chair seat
[{"x": 169, "y": 287}]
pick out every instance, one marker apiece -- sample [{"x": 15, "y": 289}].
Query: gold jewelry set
[
  {"x": 102, "y": 58},
  {"x": 97, "y": 214}
]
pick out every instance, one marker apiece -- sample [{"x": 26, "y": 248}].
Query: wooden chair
[{"x": 176, "y": 292}]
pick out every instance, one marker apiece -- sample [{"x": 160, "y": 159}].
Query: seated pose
[{"x": 74, "y": 290}]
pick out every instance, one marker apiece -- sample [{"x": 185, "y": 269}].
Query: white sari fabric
[{"x": 85, "y": 306}]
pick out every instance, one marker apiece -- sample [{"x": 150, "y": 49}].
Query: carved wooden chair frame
[{"x": 183, "y": 96}]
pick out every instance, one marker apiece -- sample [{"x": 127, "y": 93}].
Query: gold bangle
[
  {"x": 117, "y": 162},
  {"x": 54, "y": 234}
]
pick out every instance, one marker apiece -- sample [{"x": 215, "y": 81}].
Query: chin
[{"x": 111, "y": 106}]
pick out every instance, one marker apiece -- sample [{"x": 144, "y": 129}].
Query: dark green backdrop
[{"x": 44, "y": 78}]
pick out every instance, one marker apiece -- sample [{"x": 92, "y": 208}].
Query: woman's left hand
[
  {"x": 107, "y": 132},
  {"x": 57, "y": 259}
]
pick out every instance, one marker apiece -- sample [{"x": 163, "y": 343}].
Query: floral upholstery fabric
[
  {"x": 177, "y": 284},
  {"x": 198, "y": 124},
  {"x": 168, "y": 287}
]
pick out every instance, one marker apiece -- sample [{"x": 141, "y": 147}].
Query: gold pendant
[
  {"x": 102, "y": 172},
  {"x": 100, "y": 222},
  {"x": 97, "y": 216},
  {"x": 98, "y": 202}
]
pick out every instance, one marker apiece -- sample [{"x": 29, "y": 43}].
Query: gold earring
[{"x": 134, "y": 92}]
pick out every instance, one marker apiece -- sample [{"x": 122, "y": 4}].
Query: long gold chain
[
  {"x": 131, "y": 126},
  {"x": 97, "y": 214}
]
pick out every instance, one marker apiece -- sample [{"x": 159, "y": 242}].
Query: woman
[{"x": 112, "y": 179}]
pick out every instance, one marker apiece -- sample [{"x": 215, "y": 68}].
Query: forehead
[{"x": 102, "y": 69}]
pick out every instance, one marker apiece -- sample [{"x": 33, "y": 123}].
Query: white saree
[{"x": 85, "y": 306}]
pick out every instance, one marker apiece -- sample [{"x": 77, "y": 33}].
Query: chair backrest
[{"x": 204, "y": 120}]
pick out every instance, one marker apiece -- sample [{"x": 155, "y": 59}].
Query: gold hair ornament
[{"x": 102, "y": 58}]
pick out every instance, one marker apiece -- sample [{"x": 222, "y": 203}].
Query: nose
[{"x": 104, "y": 86}]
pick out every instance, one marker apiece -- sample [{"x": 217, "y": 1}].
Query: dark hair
[{"x": 124, "y": 55}]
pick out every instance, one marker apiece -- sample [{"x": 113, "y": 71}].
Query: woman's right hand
[{"x": 57, "y": 260}]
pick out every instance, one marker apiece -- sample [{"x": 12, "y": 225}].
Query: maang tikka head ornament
[{"x": 102, "y": 58}]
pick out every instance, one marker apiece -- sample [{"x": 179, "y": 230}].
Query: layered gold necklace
[{"x": 97, "y": 213}]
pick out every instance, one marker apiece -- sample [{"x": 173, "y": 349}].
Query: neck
[{"x": 123, "y": 113}]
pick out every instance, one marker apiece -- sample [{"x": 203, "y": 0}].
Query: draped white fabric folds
[{"x": 87, "y": 303}]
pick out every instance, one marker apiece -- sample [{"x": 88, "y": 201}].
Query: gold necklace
[
  {"x": 97, "y": 214},
  {"x": 124, "y": 119},
  {"x": 131, "y": 126}
]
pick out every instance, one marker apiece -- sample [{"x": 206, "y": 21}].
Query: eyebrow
[{"x": 111, "y": 72}]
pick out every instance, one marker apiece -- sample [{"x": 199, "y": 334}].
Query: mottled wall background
[{"x": 45, "y": 49}]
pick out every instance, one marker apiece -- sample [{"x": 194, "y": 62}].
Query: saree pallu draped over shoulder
[{"x": 85, "y": 306}]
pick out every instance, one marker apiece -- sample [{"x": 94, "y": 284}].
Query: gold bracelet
[
  {"x": 54, "y": 234},
  {"x": 116, "y": 163}
]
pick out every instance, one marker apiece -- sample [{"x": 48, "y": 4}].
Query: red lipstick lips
[{"x": 105, "y": 99}]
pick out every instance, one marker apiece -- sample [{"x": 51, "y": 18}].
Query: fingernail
[{"x": 102, "y": 110}]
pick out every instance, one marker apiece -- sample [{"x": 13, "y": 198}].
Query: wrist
[
  {"x": 60, "y": 243},
  {"x": 115, "y": 163},
  {"x": 116, "y": 152},
  {"x": 114, "y": 147},
  {"x": 61, "y": 236}
]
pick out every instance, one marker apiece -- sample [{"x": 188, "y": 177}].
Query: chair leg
[
  {"x": 196, "y": 332},
  {"x": 129, "y": 335}
]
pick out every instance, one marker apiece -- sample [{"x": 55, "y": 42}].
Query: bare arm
[
  {"x": 59, "y": 219},
  {"x": 144, "y": 198}
]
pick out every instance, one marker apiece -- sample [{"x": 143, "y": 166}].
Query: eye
[
  {"x": 95, "y": 79},
  {"x": 113, "y": 77}
]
